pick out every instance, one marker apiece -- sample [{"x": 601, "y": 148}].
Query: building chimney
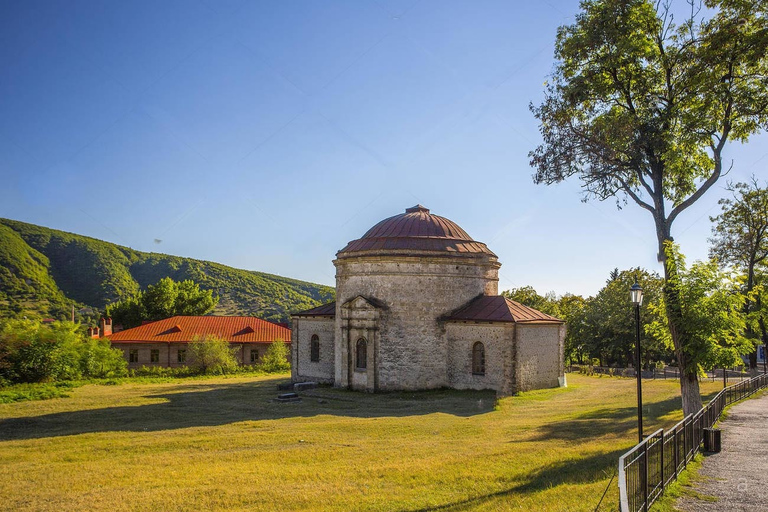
[
  {"x": 95, "y": 332},
  {"x": 106, "y": 326},
  {"x": 90, "y": 332}
]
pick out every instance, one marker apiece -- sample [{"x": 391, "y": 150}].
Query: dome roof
[{"x": 414, "y": 232}]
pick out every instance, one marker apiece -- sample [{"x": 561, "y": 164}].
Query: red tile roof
[
  {"x": 181, "y": 329},
  {"x": 495, "y": 308},
  {"x": 415, "y": 230},
  {"x": 324, "y": 310}
]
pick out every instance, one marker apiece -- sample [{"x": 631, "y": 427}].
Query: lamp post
[{"x": 636, "y": 294}]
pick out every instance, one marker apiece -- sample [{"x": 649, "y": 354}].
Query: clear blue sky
[{"x": 266, "y": 135}]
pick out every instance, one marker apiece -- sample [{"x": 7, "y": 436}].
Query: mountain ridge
[{"x": 45, "y": 271}]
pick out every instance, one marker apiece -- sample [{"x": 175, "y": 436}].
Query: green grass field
[{"x": 221, "y": 444}]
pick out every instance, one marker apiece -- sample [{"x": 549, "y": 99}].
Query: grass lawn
[{"x": 221, "y": 444}]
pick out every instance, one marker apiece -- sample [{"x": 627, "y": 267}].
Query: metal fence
[
  {"x": 646, "y": 469},
  {"x": 668, "y": 372}
]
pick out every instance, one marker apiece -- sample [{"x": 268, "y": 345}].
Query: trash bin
[{"x": 712, "y": 440}]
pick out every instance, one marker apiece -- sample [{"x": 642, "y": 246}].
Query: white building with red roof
[
  {"x": 164, "y": 342},
  {"x": 417, "y": 307}
]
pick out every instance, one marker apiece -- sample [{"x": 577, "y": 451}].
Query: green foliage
[
  {"x": 275, "y": 360},
  {"x": 162, "y": 371},
  {"x": 211, "y": 355},
  {"x": 606, "y": 326},
  {"x": 25, "y": 392},
  {"x": 740, "y": 240},
  {"x": 99, "y": 360},
  {"x": 639, "y": 108},
  {"x": 34, "y": 352},
  {"x": 164, "y": 299},
  {"x": 43, "y": 272},
  {"x": 740, "y": 232},
  {"x": 711, "y": 310}
]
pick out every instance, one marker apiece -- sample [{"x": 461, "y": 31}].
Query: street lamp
[{"x": 636, "y": 294}]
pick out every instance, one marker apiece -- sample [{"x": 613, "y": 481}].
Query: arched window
[
  {"x": 361, "y": 354},
  {"x": 314, "y": 348},
  {"x": 478, "y": 359}
]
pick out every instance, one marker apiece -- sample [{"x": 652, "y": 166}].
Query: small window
[
  {"x": 154, "y": 355},
  {"x": 478, "y": 359},
  {"x": 182, "y": 355},
  {"x": 361, "y": 354},
  {"x": 254, "y": 355},
  {"x": 314, "y": 348},
  {"x": 133, "y": 355}
]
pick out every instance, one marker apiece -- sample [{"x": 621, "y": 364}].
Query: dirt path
[{"x": 737, "y": 476}]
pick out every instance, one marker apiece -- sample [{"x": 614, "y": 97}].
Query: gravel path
[{"x": 738, "y": 475}]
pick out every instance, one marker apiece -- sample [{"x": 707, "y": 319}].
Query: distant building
[
  {"x": 418, "y": 308},
  {"x": 164, "y": 342}
]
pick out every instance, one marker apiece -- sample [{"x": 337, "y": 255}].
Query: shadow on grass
[
  {"x": 610, "y": 420},
  {"x": 204, "y": 405},
  {"x": 584, "y": 470}
]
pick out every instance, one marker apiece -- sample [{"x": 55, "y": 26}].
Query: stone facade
[
  {"x": 302, "y": 364},
  {"x": 539, "y": 364},
  {"x": 398, "y": 291},
  {"x": 414, "y": 293},
  {"x": 498, "y": 342}
]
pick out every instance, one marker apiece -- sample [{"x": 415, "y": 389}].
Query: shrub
[
  {"x": 212, "y": 355},
  {"x": 276, "y": 358},
  {"x": 99, "y": 360},
  {"x": 160, "y": 371}
]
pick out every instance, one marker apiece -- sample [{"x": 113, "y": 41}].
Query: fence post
[
  {"x": 645, "y": 477},
  {"x": 663, "y": 483},
  {"x": 677, "y": 451}
]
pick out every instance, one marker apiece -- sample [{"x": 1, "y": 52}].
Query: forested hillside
[{"x": 43, "y": 272}]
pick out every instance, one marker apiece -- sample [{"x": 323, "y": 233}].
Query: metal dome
[{"x": 414, "y": 232}]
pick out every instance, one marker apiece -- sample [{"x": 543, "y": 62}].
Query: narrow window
[
  {"x": 478, "y": 359},
  {"x": 154, "y": 355},
  {"x": 182, "y": 355},
  {"x": 361, "y": 355},
  {"x": 254, "y": 355},
  {"x": 314, "y": 348},
  {"x": 133, "y": 355}
]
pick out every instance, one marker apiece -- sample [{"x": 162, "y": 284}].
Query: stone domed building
[{"x": 417, "y": 307}]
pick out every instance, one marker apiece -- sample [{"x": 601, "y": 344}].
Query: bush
[
  {"x": 99, "y": 360},
  {"x": 211, "y": 355},
  {"x": 33, "y": 352},
  {"x": 160, "y": 371},
  {"x": 276, "y": 358}
]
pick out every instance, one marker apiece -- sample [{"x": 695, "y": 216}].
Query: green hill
[{"x": 44, "y": 272}]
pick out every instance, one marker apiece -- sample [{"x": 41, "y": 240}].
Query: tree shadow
[
  {"x": 574, "y": 472},
  {"x": 611, "y": 420},
  {"x": 203, "y": 405}
]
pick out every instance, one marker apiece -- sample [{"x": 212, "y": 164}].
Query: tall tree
[
  {"x": 607, "y": 329},
  {"x": 641, "y": 109},
  {"x": 711, "y": 308},
  {"x": 163, "y": 299},
  {"x": 740, "y": 239}
]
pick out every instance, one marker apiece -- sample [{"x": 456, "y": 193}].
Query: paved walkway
[{"x": 738, "y": 475}]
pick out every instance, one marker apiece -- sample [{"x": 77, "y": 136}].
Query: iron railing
[{"x": 646, "y": 469}]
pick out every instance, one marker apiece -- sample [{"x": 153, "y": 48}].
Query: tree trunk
[
  {"x": 689, "y": 380},
  {"x": 689, "y": 392}
]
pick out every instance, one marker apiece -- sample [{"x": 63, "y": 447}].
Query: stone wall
[
  {"x": 498, "y": 340},
  {"x": 539, "y": 355},
  {"x": 415, "y": 292},
  {"x": 302, "y": 367}
]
